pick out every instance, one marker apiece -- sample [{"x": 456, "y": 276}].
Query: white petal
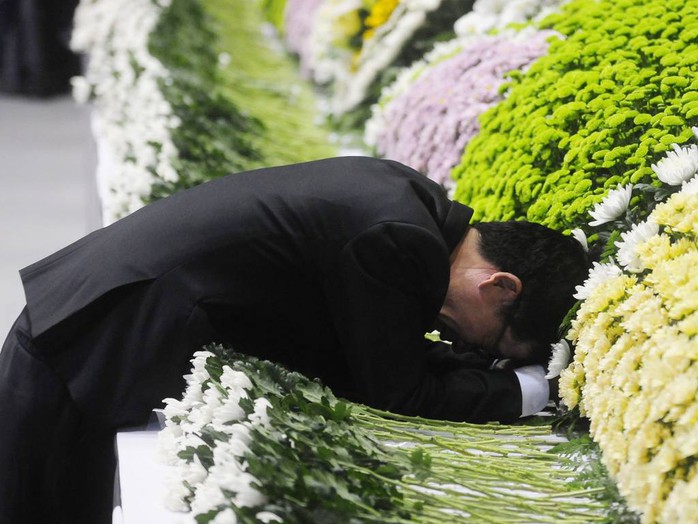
[
  {"x": 559, "y": 359},
  {"x": 678, "y": 165},
  {"x": 612, "y": 206}
]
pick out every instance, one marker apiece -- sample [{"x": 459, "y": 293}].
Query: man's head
[{"x": 511, "y": 286}]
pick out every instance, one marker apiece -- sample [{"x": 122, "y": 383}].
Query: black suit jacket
[{"x": 335, "y": 268}]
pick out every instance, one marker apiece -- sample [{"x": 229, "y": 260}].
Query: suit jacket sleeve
[{"x": 387, "y": 289}]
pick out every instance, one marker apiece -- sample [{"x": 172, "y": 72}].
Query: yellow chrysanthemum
[
  {"x": 679, "y": 213},
  {"x": 379, "y": 14},
  {"x": 635, "y": 371}
]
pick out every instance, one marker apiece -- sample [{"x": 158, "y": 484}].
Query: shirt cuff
[{"x": 535, "y": 391}]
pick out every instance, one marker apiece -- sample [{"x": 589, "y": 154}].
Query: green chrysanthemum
[{"x": 596, "y": 112}]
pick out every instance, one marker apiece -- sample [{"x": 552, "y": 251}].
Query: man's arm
[{"x": 535, "y": 388}]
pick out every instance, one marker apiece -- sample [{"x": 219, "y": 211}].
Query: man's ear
[{"x": 506, "y": 286}]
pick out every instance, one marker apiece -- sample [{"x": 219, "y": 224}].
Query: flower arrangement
[
  {"x": 132, "y": 117},
  {"x": 158, "y": 120},
  {"x": 355, "y": 45},
  {"x": 252, "y": 442},
  {"x": 215, "y": 136},
  {"x": 381, "y": 44},
  {"x": 167, "y": 99},
  {"x": 425, "y": 121},
  {"x": 297, "y": 27},
  {"x": 428, "y": 125},
  {"x": 494, "y": 15},
  {"x": 379, "y": 14},
  {"x": 337, "y": 27},
  {"x": 592, "y": 114},
  {"x": 635, "y": 368},
  {"x": 266, "y": 83}
]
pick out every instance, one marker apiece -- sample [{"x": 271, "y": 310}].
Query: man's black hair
[{"x": 549, "y": 265}]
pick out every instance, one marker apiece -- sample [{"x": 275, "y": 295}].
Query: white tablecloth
[{"x": 140, "y": 491}]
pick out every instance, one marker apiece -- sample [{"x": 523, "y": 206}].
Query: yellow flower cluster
[
  {"x": 635, "y": 371},
  {"x": 379, "y": 14}
]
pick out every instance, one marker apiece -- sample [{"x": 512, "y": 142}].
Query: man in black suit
[{"x": 336, "y": 268}]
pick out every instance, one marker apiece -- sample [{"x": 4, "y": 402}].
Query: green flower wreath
[{"x": 596, "y": 112}]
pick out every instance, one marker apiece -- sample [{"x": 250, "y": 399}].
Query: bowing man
[{"x": 335, "y": 268}]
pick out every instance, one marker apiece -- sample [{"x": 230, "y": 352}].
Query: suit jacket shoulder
[{"x": 332, "y": 199}]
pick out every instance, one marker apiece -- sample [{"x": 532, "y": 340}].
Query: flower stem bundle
[{"x": 253, "y": 441}]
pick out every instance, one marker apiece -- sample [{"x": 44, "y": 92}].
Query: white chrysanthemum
[
  {"x": 208, "y": 495},
  {"x": 268, "y": 516},
  {"x": 559, "y": 359},
  {"x": 175, "y": 408},
  {"x": 598, "y": 274},
  {"x": 168, "y": 444},
  {"x": 498, "y": 14},
  {"x": 193, "y": 394},
  {"x": 213, "y": 397},
  {"x": 231, "y": 379},
  {"x": 200, "y": 417},
  {"x": 678, "y": 165},
  {"x": 228, "y": 411},
  {"x": 198, "y": 374},
  {"x": 230, "y": 453},
  {"x": 229, "y": 475},
  {"x": 130, "y": 113},
  {"x": 200, "y": 357},
  {"x": 248, "y": 496},
  {"x": 227, "y": 516},
  {"x": 690, "y": 187},
  {"x": 627, "y": 255},
  {"x": 194, "y": 472},
  {"x": 241, "y": 433},
  {"x": 612, "y": 206},
  {"x": 176, "y": 492},
  {"x": 260, "y": 416},
  {"x": 579, "y": 235}
]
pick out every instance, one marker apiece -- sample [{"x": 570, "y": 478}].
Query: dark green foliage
[{"x": 213, "y": 137}]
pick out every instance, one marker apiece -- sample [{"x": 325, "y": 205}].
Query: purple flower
[
  {"x": 428, "y": 125},
  {"x": 299, "y": 18}
]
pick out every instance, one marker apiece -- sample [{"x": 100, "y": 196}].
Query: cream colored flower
[
  {"x": 627, "y": 255},
  {"x": 569, "y": 387}
]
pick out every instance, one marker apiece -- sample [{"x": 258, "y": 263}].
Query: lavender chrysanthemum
[
  {"x": 299, "y": 16},
  {"x": 428, "y": 125}
]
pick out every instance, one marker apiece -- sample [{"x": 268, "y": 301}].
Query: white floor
[{"x": 47, "y": 188}]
